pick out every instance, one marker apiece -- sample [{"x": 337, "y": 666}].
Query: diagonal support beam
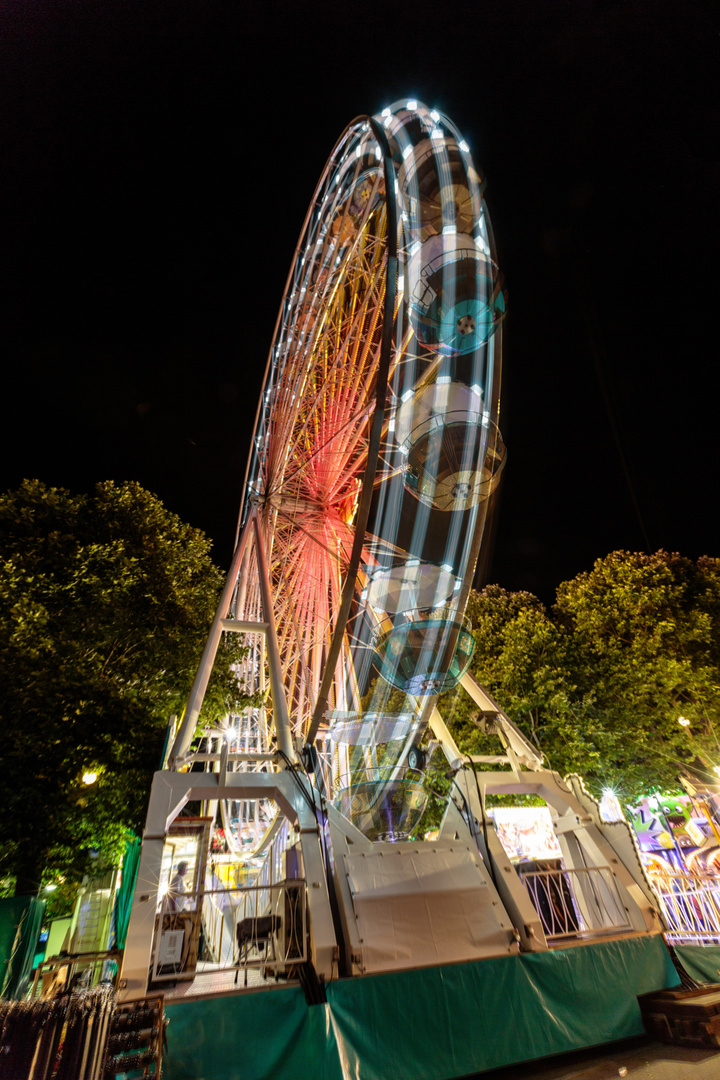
[
  {"x": 283, "y": 730},
  {"x": 188, "y": 724},
  {"x": 520, "y": 750}
]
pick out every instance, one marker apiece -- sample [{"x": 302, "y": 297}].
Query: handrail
[
  {"x": 249, "y": 756},
  {"x": 576, "y": 902},
  {"x": 691, "y": 906},
  {"x": 253, "y": 926}
]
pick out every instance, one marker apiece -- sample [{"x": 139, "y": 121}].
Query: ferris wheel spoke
[
  {"x": 329, "y": 447},
  {"x": 314, "y": 539},
  {"x": 327, "y": 408}
]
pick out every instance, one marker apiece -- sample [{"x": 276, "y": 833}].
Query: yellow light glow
[
  {"x": 89, "y": 777},
  {"x": 683, "y": 721}
]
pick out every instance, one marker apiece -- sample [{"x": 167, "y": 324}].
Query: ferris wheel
[{"x": 374, "y": 454}]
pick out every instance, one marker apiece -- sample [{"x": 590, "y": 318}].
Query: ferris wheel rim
[
  {"x": 376, "y": 429},
  {"x": 377, "y": 131},
  {"x": 369, "y": 420}
]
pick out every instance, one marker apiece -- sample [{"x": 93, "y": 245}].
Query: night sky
[{"x": 158, "y": 157}]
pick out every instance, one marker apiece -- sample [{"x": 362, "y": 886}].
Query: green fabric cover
[
  {"x": 428, "y": 1024},
  {"x": 270, "y": 1033},
  {"x": 700, "y": 961},
  {"x": 123, "y": 901},
  {"x": 20, "y": 921}
]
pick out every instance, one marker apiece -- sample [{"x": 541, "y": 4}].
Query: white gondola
[{"x": 455, "y": 455}]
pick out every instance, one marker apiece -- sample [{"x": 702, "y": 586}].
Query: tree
[
  {"x": 521, "y": 657},
  {"x": 644, "y": 635},
  {"x": 600, "y": 682},
  {"x": 105, "y": 602}
]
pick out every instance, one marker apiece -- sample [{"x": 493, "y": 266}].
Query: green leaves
[
  {"x": 600, "y": 681},
  {"x": 105, "y": 603}
]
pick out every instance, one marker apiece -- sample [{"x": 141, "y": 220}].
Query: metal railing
[
  {"x": 691, "y": 906},
  {"x": 260, "y": 926},
  {"x": 271, "y": 870},
  {"x": 69, "y": 971},
  {"x": 572, "y": 903}
]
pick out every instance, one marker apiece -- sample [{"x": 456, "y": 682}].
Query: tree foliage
[
  {"x": 105, "y": 602},
  {"x": 600, "y": 681}
]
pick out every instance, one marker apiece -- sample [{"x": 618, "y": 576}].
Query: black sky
[{"x": 158, "y": 159}]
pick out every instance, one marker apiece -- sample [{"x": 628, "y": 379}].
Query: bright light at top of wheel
[
  {"x": 412, "y": 104},
  {"x": 385, "y": 112},
  {"x": 435, "y": 115},
  {"x": 464, "y": 146}
]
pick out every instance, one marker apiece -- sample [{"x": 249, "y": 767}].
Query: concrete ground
[{"x": 636, "y": 1059}]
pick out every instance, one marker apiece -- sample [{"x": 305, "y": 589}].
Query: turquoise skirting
[
  {"x": 700, "y": 961},
  {"x": 428, "y": 1024}
]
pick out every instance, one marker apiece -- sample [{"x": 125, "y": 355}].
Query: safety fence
[
  {"x": 691, "y": 906},
  {"x": 262, "y": 926},
  {"x": 571, "y": 903}
]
